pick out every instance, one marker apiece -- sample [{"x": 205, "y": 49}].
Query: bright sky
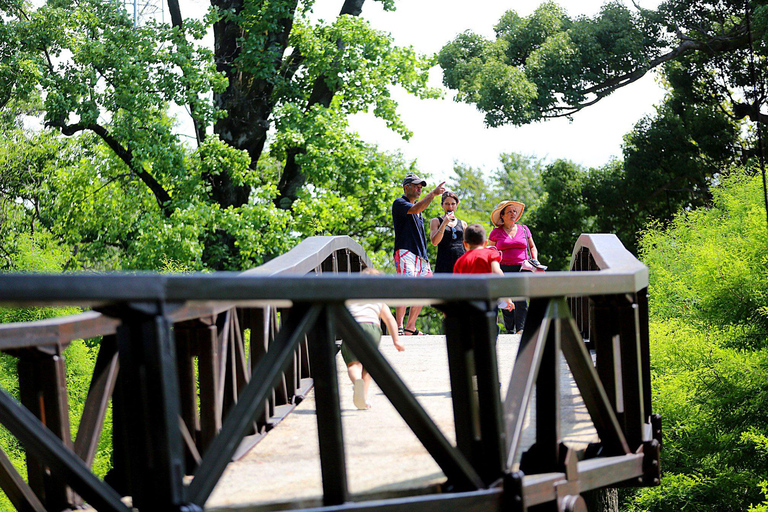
[{"x": 445, "y": 132}]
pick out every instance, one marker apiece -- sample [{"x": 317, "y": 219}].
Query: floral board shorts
[{"x": 408, "y": 264}]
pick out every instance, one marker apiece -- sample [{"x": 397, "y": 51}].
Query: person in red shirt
[{"x": 479, "y": 259}]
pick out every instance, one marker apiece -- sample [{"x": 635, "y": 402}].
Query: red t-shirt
[{"x": 477, "y": 261}]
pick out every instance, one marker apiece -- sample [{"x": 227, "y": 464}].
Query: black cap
[{"x": 412, "y": 178}]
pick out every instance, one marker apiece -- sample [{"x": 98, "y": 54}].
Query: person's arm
[
  {"x": 496, "y": 269},
  {"x": 489, "y": 242},
  {"x": 436, "y": 230},
  {"x": 421, "y": 205},
  {"x": 391, "y": 324}
]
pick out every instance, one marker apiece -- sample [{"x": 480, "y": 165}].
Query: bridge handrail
[
  {"x": 610, "y": 255},
  {"x": 309, "y": 255},
  {"x": 306, "y": 257},
  {"x": 148, "y": 306}
]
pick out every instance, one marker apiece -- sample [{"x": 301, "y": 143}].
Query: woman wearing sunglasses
[{"x": 447, "y": 233}]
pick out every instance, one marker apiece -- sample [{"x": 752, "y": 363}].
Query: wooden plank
[
  {"x": 95, "y": 409},
  {"x": 18, "y": 491},
  {"x": 486, "y": 500},
  {"x": 328, "y": 409},
  {"x": 208, "y": 368},
  {"x": 632, "y": 375},
  {"x": 57, "y": 331},
  {"x": 461, "y": 369},
  {"x": 185, "y": 335},
  {"x": 524, "y": 373}
]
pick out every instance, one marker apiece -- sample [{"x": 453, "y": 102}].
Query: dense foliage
[
  {"x": 39, "y": 253},
  {"x": 711, "y": 56},
  {"x": 92, "y": 154},
  {"x": 709, "y": 333}
]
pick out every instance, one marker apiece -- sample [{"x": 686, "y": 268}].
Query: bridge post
[
  {"x": 151, "y": 442},
  {"x": 471, "y": 334},
  {"x": 493, "y": 436},
  {"x": 461, "y": 363},
  {"x": 258, "y": 320},
  {"x": 604, "y": 332},
  {"x": 322, "y": 349},
  {"x": 548, "y": 400},
  {"x": 43, "y": 391},
  {"x": 632, "y": 377}
]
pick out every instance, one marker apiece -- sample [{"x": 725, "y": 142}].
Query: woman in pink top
[{"x": 514, "y": 241}]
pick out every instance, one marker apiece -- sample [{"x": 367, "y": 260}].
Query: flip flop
[
  {"x": 417, "y": 332},
  {"x": 400, "y": 331},
  {"x": 358, "y": 395}
]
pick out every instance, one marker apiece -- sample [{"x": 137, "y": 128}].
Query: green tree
[
  {"x": 709, "y": 326},
  {"x": 551, "y": 65},
  {"x": 562, "y": 216},
  {"x": 269, "y": 104},
  {"x": 519, "y": 177}
]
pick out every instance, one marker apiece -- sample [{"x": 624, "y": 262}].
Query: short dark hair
[{"x": 474, "y": 234}]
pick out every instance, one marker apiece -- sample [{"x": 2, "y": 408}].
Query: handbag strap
[{"x": 525, "y": 235}]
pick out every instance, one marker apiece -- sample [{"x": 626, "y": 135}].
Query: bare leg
[
  {"x": 367, "y": 380},
  {"x": 360, "y": 382},
  {"x": 413, "y": 314},
  {"x": 399, "y": 315},
  {"x": 355, "y": 371}
]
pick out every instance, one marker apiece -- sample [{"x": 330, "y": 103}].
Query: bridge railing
[
  {"x": 216, "y": 346},
  {"x": 154, "y": 430}
]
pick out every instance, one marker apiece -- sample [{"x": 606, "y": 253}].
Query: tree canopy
[
  {"x": 550, "y": 65},
  {"x": 272, "y": 158}
]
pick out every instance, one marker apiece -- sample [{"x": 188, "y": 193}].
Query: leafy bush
[
  {"x": 709, "y": 352},
  {"x": 39, "y": 253}
]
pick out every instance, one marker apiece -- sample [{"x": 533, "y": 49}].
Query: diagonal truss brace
[{"x": 547, "y": 317}]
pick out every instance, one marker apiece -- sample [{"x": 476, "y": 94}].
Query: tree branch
[
  {"x": 292, "y": 179},
  {"x": 736, "y": 40},
  {"x": 176, "y": 21},
  {"x": 126, "y": 155}
]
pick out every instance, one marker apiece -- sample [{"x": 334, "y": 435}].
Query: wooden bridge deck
[{"x": 383, "y": 455}]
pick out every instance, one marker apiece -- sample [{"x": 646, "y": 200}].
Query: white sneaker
[{"x": 358, "y": 396}]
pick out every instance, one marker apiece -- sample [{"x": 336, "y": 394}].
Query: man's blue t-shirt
[{"x": 409, "y": 228}]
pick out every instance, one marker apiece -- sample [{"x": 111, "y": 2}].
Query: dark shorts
[{"x": 374, "y": 333}]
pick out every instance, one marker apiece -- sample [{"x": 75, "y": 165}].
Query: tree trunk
[
  {"x": 247, "y": 100},
  {"x": 292, "y": 178},
  {"x": 602, "y": 500}
]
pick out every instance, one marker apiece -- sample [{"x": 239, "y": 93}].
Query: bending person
[
  {"x": 515, "y": 243},
  {"x": 369, "y": 316},
  {"x": 447, "y": 233}
]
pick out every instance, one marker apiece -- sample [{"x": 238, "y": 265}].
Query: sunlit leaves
[
  {"x": 708, "y": 351},
  {"x": 573, "y": 62}
]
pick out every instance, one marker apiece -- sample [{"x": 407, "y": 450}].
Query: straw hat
[{"x": 496, "y": 213}]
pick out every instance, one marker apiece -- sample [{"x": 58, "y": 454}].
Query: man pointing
[{"x": 410, "y": 241}]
